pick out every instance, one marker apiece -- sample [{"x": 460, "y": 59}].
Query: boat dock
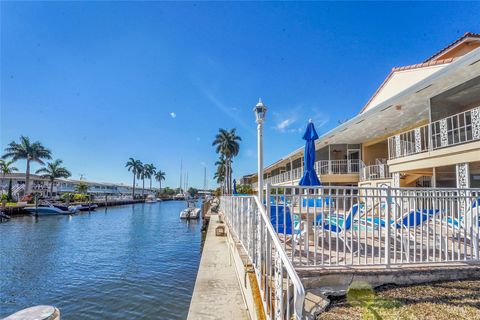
[{"x": 217, "y": 293}]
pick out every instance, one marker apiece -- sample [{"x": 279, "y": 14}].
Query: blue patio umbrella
[
  {"x": 310, "y": 177},
  {"x": 234, "y": 186}
]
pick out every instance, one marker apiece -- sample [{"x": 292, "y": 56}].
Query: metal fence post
[{"x": 387, "y": 228}]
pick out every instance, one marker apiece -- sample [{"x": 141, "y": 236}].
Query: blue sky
[{"x": 100, "y": 82}]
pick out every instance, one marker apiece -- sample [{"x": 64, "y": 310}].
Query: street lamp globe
[{"x": 260, "y": 110}]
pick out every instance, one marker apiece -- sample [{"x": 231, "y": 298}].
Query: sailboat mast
[{"x": 181, "y": 169}]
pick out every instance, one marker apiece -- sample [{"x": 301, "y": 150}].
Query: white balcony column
[
  {"x": 398, "y": 148},
  {"x": 463, "y": 182},
  {"x": 463, "y": 175},
  {"x": 418, "y": 140},
  {"x": 443, "y": 132},
  {"x": 476, "y": 123},
  {"x": 396, "y": 179},
  {"x": 291, "y": 171}
]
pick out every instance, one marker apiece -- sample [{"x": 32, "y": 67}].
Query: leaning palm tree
[
  {"x": 135, "y": 166},
  {"x": 27, "y": 150},
  {"x": 159, "y": 176},
  {"x": 227, "y": 144},
  {"x": 150, "y": 171},
  {"x": 54, "y": 170},
  {"x": 6, "y": 168}
]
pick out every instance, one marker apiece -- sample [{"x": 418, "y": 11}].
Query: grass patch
[{"x": 453, "y": 300}]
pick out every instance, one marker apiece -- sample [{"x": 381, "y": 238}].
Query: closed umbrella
[
  {"x": 310, "y": 177},
  {"x": 234, "y": 186}
]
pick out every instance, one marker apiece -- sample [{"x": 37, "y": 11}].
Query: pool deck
[{"x": 217, "y": 293}]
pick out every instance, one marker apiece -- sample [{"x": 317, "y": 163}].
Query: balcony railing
[
  {"x": 322, "y": 167},
  {"x": 456, "y": 129},
  {"x": 337, "y": 166},
  {"x": 375, "y": 172}
]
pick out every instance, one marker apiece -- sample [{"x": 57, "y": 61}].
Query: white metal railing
[
  {"x": 321, "y": 167},
  {"x": 347, "y": 226},
  {"x": 453, "y": 130},
  {"x": 338, "y": 166},
  {"x": 375, "y": 172},
  {"x": 281, "y": 289}
]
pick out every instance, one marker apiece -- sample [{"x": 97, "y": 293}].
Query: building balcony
[
  {"x": 451, "y": 131},
  {"x": 324, "y": 169},
  {"x": 379, "y": 171}
]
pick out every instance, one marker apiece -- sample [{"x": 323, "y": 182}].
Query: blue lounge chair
[
  {"x": 343, "y": 227},
  {"x": 316, "y": 202},
  {"x": 281, "y": 220}
]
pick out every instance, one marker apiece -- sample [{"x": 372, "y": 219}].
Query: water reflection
[{"x": 135, "y": 261}]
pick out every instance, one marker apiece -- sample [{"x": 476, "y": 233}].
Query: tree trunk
[
  {"x": 150, "y": 184},
  {"x": 51, "y": 188},
  {"x": 27, "y": 178},
  {"x": 160, "y": 183},
  {"x": 143, "y": 187},
  {"x": 133, "y": 191}
]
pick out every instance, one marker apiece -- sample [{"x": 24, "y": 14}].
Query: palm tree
[
  {"x": 226, "y": 143},
  {"x": 81, "y": 187},
  {"x": 159, "y": 176},
  {"x": 150, "y": 171},
  {"x": 142, "y": 174},
  {"x": 220, "y": 173},
  {"x": 6, "y": 168},
  {"x": 54, "y": 170},
  {"x": 135, "y": 166},
  {"x": 27, "y": 150}
]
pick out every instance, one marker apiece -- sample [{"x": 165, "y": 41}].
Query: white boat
[
  {"x": 179, "y": 196},
  {"x": 150, "y": 199},
  {"x": 48, "y": 209},
  {"x": 191, "y": 211}
]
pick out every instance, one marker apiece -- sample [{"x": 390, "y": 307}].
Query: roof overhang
[{"x": 405, "y": 109}]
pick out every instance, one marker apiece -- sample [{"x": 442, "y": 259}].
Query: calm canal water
[{"x": 128, "y": 262}]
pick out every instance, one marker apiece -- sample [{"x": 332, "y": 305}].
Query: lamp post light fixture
[{"x": 260, "y": 110}]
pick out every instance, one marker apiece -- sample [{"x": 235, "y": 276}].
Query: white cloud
[
  {"x": 173, "y": 115},
  {"x": 284, "y": 124}
]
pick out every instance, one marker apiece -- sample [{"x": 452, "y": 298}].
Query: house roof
[
  {"x": 430, "y": 62},
  {"x": 454, "y": 43},
  {"x": 404, "y": 68}
]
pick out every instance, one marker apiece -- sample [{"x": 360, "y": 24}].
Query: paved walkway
[{"x": 217, "y": 293}]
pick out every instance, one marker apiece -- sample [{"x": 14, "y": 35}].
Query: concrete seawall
[{"x": 217, "y": 293}]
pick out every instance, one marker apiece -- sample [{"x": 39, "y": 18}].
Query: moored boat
[
  {"x": 150, "y": 199},
  {"x": 191, "y": 211},
  {"x": 88, "y": 207},
  {"x": 48, "y": 209}
]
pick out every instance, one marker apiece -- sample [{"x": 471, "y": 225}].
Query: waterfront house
[
  {"x": 421, "y": 128},
  {"x": 42, "y": 185},
  {"x": 400, "y": 200}
]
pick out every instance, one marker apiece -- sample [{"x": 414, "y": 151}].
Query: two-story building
[{"x": 420, "y": 128}]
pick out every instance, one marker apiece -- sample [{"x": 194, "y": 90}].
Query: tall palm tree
[
  {"x": 227, "y": 144},
  {"x": 150, "y": 171},
  {"x": 54, "y": 170},
  {"x": 159, "y": 176},
  {"x": 30, "y": 151},
  {"x": 134, "y": 166}
]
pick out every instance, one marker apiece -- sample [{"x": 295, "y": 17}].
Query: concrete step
[{"x": 315, "y": 303}]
